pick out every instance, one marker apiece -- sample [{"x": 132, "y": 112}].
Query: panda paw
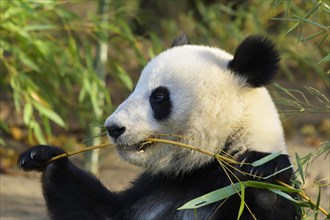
[
  {"x": 36, "y": 158},
  {"x": 268, "y": 171}
]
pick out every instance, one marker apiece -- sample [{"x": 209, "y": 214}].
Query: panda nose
[{"x": 115, "y": 131}]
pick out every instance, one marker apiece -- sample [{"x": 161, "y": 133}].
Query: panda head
[{"x": 204, "y": 97}]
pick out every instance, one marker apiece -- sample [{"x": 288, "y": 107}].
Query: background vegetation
[{"x": 66, "y": 64}]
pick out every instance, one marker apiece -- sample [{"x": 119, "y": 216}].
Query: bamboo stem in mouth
[{"x": 218, "y": 156}]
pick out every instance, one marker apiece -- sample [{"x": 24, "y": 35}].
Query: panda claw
[
  {"x": 32, "y": 154},
  {"x": 22, "y": 162}
]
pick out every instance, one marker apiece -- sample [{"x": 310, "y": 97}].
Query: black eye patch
[{"x": 160, "y": 103}]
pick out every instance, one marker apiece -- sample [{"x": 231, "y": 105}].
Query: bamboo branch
[
  {"x": 218, "y": 156},
  {"x": 304, "y": 196},
  {"x": 67, "y": 154}
]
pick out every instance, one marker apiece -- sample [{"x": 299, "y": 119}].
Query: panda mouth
[
  {"x": 142, "y": 146},
  {"x": 139, "y": 147}
]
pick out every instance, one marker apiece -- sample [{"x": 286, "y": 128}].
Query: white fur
[
  {"x": 210, "y": 104},
  {"x": 262, "y": 121}
]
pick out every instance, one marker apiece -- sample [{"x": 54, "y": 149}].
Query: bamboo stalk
[
  {"x": 217, "y": 156},
  {"x": 92, "y": 157},
  {"x": 67, "y": 154},
  {"x": 192, "y": 148}
]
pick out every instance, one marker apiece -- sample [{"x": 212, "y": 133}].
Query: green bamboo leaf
[
  {"x": 46, "y": 126},
  {"x": 106, "y": 94},
  {"x": 265, "y": 185},
  {"x": 242, "y": 205},
  {"x": 14, "y": 82},
  {"x": 24, "y": 58},
  {"x": 40, "y": 27},
  {"x": 124, "y": 78},
  {"x": 15, "y": 29},
  {"x": 317, "y": 205},
  {"x": 49, "y": 114},
  {"x": 10, "y": 12},
  {"x": 86, "y": 86},
  {"x": 266, "y": 159},
  {"x": 26, "y": 6},
  {"x": 285, "y": 195},
  {"x": 2, "y": 142},
  {"x": 325, "y": 59},
  {"x": 4, "y": 126},
  {"x": 312, "y": 36},
  {"x": 312, "y": 22},
  {"x": 212, "y": 197},
  {"x": 38, "y": 132},
  {"x": 325, "y": 37},
  {"x": 280, "y": 171},
  {"x": 94, "y": 97},
  {"x": 157, "y": 46},
  {"x": 300, "y": 168},
  {"x": 326, "y": 7},
  {"x": 292, "y": 28},
  {"x": 72, "y": 49},
  {"x": 28, "y": 110},
  {"x": 82, "y": 94},
  {"x": 126, "y": 30},
  {"x": 42, "y": 47},
  {"x": 303, "y": 19},
  {"x": 65, "y": 14}
]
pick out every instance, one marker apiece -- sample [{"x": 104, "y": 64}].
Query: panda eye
[
  {"x": 157, "y": 97},
  {"x": 160, "y": 103},
  {"x": 160, "y": 94}
]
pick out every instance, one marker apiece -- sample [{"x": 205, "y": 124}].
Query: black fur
[
  {"x": 180, "y": 40},
  {"x": 161, "y": 104},
  {"x": 71, "y": 193},
  {"x": 257, "y": 60}
]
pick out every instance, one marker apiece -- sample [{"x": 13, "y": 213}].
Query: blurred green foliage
[
  {"x": 299, "y": 28},
  {"x": 49, "y": 48},
  {"x": 48, "y": 62}
]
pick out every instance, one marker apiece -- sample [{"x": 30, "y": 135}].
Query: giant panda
[{"x": 204, "y": 97}]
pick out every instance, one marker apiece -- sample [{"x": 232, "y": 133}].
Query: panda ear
[
  {"x": 180, "y": 40},
  {"x": 257, "y": 60}
]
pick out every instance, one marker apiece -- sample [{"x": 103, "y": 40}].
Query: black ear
[
  {"x": 257, "y": 60},
  {"x": 180, "y": 40}
]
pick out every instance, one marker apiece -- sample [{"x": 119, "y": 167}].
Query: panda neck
[{"x": 261, "y": 129}]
